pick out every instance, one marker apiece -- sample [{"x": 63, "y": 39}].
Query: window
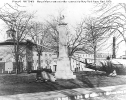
[
  {"x": 50, "y": 55},
  {"x": 45, "y": 54},
  {"x": 41, "y": 61}
]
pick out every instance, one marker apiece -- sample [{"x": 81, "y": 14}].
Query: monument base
[{"x": 63, "y": 69}]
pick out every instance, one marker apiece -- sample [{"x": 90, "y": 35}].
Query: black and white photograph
[{"x": 63, "y": 50}]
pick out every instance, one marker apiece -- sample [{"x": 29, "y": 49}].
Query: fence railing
[{"x": 79, "y": 64}]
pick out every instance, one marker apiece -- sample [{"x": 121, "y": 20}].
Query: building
[
  {"x": 79, "y": 59},
  {"x": 7, "y": 59},
  {"x": 48, "y": 59}
]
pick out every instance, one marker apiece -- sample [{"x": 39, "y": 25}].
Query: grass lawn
[{"x": 25, "y": 83}]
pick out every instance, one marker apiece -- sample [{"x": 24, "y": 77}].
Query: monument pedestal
[{"x": 63, "y": 69}]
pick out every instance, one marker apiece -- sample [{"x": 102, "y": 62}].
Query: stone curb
[{"x": 69, "y": 94}]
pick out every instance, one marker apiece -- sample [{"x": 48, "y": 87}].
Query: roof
[
  {"x": 28, "y": 42},
  {"x": 11, "y": 42}
]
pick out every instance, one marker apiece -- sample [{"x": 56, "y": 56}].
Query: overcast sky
[{"x": 74, "y": 12}]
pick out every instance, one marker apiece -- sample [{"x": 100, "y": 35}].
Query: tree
[
  {"x": 40, "y": 37},
  {"x": 115, "y": 18},
  {"x": 96, "y": 35},
  {"x": 89, "y": 36},
  {"x": 75, "y": 41},
  {"x": 17, "y": 22},
  {"x": 54, "y": 34}
]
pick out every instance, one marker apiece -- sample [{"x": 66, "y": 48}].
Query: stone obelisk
[{"x": 63, "y": 64}]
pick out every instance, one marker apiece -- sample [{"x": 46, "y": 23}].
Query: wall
[
  {"x": 7, "y": 61},
  {"x": 48, "y": 59}
]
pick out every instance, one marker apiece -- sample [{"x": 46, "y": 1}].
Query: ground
[{"x": 25, "y": 83}]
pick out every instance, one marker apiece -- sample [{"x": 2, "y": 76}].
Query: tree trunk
[
  {"x": 113, "y": 51},
  {"x": 17, "y": 58},
  {"x": 16, "y": 55},
  {"x": 70, "y": 57},
  {"x": 39, "y": 60},
  {"x": 95, "y": 54},
  {"x": 17, "y": 64}
]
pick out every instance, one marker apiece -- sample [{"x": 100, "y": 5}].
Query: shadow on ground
[{"x": 25, "y": 83}]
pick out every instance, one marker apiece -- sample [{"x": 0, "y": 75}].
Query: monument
[{"x": 63, "y": 64}]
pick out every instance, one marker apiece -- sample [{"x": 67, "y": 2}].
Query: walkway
[{"x": 68, "y": 94}]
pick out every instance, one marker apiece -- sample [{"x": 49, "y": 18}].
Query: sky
[{"x": 73, "y": 12}]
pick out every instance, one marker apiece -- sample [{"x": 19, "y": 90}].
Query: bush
[
  {"x": 107, "y": 66},
  {"x": 120, "y": 69}
]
